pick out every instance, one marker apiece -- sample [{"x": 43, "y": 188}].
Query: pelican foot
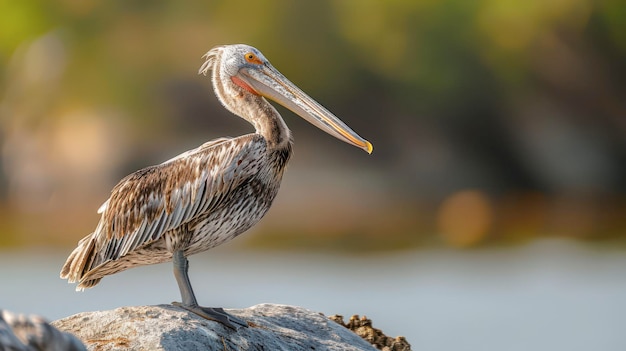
[{"x": 215, "y": 314}]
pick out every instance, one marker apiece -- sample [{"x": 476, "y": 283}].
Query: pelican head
[{"x": 241, "y": 73}]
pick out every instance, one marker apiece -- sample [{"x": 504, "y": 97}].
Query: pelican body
[{"x": 208, "y": 195}]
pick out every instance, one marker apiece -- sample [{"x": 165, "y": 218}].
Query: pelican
[{"x": 209, "y": 195}]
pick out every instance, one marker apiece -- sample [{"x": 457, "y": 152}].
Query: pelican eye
[{"x": 252, "y": 58}]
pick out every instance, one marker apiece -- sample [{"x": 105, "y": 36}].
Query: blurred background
[{"x": 491, "y": 213}]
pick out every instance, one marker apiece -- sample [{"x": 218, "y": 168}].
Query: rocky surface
[
  {"x": 32, "y": 333},
  {"x": 165, "y": 327},
  {"x": 363, "y": 327}
]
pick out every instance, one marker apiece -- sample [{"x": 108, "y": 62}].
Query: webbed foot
[{"x": 215, "y": 314}]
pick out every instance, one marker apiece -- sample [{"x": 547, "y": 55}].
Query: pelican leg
[{"x": 181, "y": 268}]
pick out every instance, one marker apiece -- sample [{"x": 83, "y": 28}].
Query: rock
[
  {"x": 166, "y": 327},
  {"x": 32, "y": 333},
  {"x": 363, "y": 327}
]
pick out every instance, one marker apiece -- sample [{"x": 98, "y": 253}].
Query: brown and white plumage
[
  {"x": 208, "y": 195},
  {"x": 202, "y": 189}
]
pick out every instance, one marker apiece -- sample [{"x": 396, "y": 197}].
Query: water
[{"x": 549, "y": 295}]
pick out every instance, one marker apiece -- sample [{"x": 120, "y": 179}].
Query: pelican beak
[{"x": 268, "y": 82}]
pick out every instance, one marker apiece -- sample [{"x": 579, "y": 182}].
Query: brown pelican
[{"x": 208, "y": 195}]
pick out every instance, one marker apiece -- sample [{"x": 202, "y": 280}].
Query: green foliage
[
  {"x": 432, "y": 47},
  {"x": 21, "y": 21}
]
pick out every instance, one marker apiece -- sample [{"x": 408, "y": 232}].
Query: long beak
[{"x": 270, "y": 83}]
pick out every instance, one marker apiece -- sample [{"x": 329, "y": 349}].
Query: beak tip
[{"x": 368, "y": 147}]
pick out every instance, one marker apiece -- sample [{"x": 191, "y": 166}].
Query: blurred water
[{"x": 549, "y": 295}]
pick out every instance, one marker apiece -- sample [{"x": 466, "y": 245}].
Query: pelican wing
[{"x": 152, "y": 201}]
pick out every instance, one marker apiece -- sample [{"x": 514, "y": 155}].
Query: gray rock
[
  {"x": 166, "y": 327},
  {"x": 19, "y": 332}
]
